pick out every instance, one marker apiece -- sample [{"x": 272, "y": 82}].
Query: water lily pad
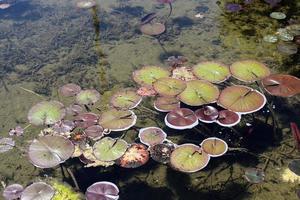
[
  {"x": 13, "y": 191},
  {"x": 183, "y": 73},
  {"x": 293, "y": 29},
  {"x": 102, "y": 191},
  {"x": 149, "y": 74},
  {"x": 284, "y": 35},
  {"x": 38, "y": 191},
  {"x": 214, "y": 147},
  {"x": 85, "y": 120},
  {"x": 161, "y": 152},
  {"x": 86, "y": 97},
  {"x": 212, "y": 71},
  {"x": 294, "y": 166},
  {"x": 270, "y": 38},
  {"x": 117, "y": 120},
  {"x": 166, "y": 104},
  {"x": 207, "y": 114},
  {"x": 181, "y": 118},
  {"x": 198, "y": 93},
  {"x": 50, "y": 151},
  {"x": 254, "y": 175},
  {"x": 287, "y": 48},
  {"x": 69, "y": 90},
  {"x": 94, "y": 132},
  {"x": 135, "y": 156},
  {"x": 277, "y": 15},
  {"x": 6, "y": 144},
  {"x": 281, "y": 85},
  {"x": 249, "y": 70},
  {"x": 146, "y": 91},
  {"x": 109, "y": 149},
  {"x": 125, "y": 99},
  {"x": 152, "y": 135},
  {"x": 153, "y": 29},
  {"x": 241, "y": 99},
  {"x": 189, "y": 158},
  {"x": 228, "y": 118},
  {"x": 46, "y": 113},
  {"x": 169, "y": 86}
]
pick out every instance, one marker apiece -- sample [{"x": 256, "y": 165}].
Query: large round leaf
[
  {"x": 199, "y": 92},
  {"x": 38, "y": 191},
  {"x": 212, "y": 71},
  {"x": 166, "y": 104},
  {"x": 249, "y": 70},
  {"x": 189, "y": 158},
  {"x": 49, "y": 151},
  {"x": 181, "y": 118},
  {"x": 117, "y": 120},
  {"x": 149, "y": 74},
  {"x": 281, "y": 85},
  {"x": 126, "y": 99},
  {"x": 86, "y": 97},
  {"x": 109, "y": 149},
  {"x": 241, "y": 99},
  {"x": 169, "y": 86},
  {"x": 46, "y": 112}
]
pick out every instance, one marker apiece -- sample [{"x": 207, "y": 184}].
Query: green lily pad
[
  {"x": 277, "y": 15},
  {"x": 117, "y": 120},
  {"x": 249, "y": 70},
  {"x": 189, "y": 158},
  {"x": 199, "y": 92},
  {"x": 126, "y": 99},
  {"x": 166, "y": 104},
  {"x": 46, "y": 113},
  {"x": 169, "y": 86},
  {"x": 212, "y": 71},
  {"x": 149, "y": 74},
  {"x": 109, "y": 149},
  {"x": 86, "y": 97},
  {"x": 241, "y": 99}
]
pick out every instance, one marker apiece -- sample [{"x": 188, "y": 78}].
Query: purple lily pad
[
  {"x": 102, "y": 191},
  {"x": 94, "y": 132},
  {"x": 63, "y": 126},
  {"x": 38, "y": 191},
  {"x": 85, "y": 120},
  {"x": 74, "y": 109},
  {"x": 152, "y": 135},
  {"x": 181, "y": 118},
  {"x": 13, "y": 191},
  {"x": 69, "y": 90},
  {"x": 207, "y": 114},
  {"x": 17, "y": 131},
  {"x": 233, "y": 7},
  {"x": 228, "y": 118}
]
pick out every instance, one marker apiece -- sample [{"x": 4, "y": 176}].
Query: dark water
[{"x": 46, "y": 44}]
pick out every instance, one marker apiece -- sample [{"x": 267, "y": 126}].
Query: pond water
[{"x": 47, "y": 44}]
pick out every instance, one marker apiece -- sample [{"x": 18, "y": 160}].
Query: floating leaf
[
  {"x": 212, "y": 71},
  {"x": 152, "y": 135},
  {"x": 287, "y": 48},
  {"x": 249, "y": 70},
  {"x": 162, "y": 152},
  {"x": 207, "y": 114},
  {"x": 38, "y": 191},
  {"x": 86, "y": 97},
  {"x": 241, "y": 99},
  {"x": 117, "y": 120},
  {"x": 153, "y": 29},
  {"x": 86, "y": 4},
  {"x": 214, "y": 147},
  {"x": 166, "y": 104},
  {"x": 198, "y": 93},
  {"x": 85, "y": 120},
  {"x": 6, "y": 144},
  {"x": 102, "y": 191},
  {"x": 228, "y": 118},
  {"x": 125, "y": 99},
  {"x": 135, "y": 156},
  {"x": 109, "y": 149},
  {"x": 149, "y": 74},
  {"x": 50, "y": 151},
  {"x": 281, "y": 85},
  {"x": 183, "y": 73},
  {"x": 46, "y": 113},
  {"x": 169, "y": 86},
  {"x": 189, "y": 158},
  {"x": 181, "y": 118},
  {"x": 94, "y": 132},
  {"x": 277, "y": 15},
  {"x": 69, "y": 90},
  {"x": 13, "y": 191}
]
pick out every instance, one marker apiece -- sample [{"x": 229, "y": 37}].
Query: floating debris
[
  {"x": 270, "y": 38},
  {"x": 135, "y": 156},
  {"x": 199, "y": 15},
  {"x": 254, "y": 175},
  {"x": 284, "y": 35},
  {"x": 17, "y": 131},
  {"x": 6, "y": 144},
  {"x": 161, "y": 152},
  {"x": 86, "y": 4},
  {"x": 277, "y": 15},
  {"x": 4, "y": 4}
]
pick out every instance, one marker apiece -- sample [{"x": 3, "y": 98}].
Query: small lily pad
[
  {"x": 6, "y": 144},
  {"x": 277, "y": 15},
  {"x": 135, "y": 156},
  {"x": 152, "y": 135},
  {"x": 126, "y": 99},
  {"x": 214, "y": 147},
  {"x": 153, "y": 29},
  {"x": 169, "y": 86},
  {"x": 212, "y": 71},
  {"x": 87, "y": 97},
  {"x": 270, "y": 38},
  {"x": 181, "y": 118},
  {"x": 149, "y": 74},
  {"x": 102, "y": 191}
]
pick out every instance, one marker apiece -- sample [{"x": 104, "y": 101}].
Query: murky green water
[{"x": 46, "y": 44}]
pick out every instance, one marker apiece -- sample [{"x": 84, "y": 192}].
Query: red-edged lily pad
[
  {"x": 166, "y": 104},
  {"x": 117, "y": 120},
  {"x": 249, "y": 70},
  {"x": 212, "y": 71},
  {"x": 181, "y": 118},
  {"x": 199, "y": 92},
  {"x": 126, "y": 99},
  {"x": 228, "y": 118},
  {"x": 102, "y": 191},
  {"x": 207, "y": 114},
  {"x": 152, "y": 135},
  {"x": 149, "y": 74},
  {"x": 241, "y": 99},
  {"x": 169, "y": 86},
  {"x": 135, "y": 156},
  {"x": 189, "y": 158},
  {"x": 282, "y": 85},
  {"x": 214, "y": 147}
]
